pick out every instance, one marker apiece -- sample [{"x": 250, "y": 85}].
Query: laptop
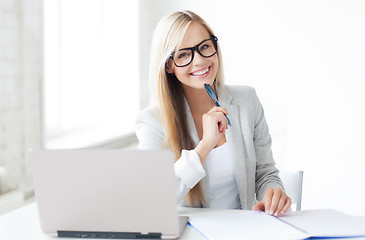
[{"x": 106, "y": 193}]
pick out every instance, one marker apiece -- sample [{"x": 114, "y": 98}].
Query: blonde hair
[{"x": 168, "y": 90}]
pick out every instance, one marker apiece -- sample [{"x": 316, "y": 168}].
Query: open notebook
[{"x": 326, "y": 223}]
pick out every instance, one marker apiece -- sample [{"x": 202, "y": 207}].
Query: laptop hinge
[{"x": 108, "y": 235}]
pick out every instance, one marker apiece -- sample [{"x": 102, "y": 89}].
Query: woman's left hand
[{"x": 275, "y": 202}]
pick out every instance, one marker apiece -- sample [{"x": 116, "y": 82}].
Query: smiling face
[{"x": 201, "y": 70}]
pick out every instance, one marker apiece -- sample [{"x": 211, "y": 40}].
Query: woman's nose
[{"x": 198, "y": 59}]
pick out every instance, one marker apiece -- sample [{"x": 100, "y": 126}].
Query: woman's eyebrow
[{"x": 187, "y": 48}]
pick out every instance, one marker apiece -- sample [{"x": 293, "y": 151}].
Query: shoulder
[
  {"x": 150, "y": 112},
  {"x": 149, "y": 116},
  {"x": 240, "y": 90},
  {"x": 149, "y": 129},
  {"x": 241, "y": 94}
]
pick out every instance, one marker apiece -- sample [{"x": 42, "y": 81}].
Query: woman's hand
[
  {"x": 275, "y": 202},
  {"x": 214, "y": 125}
]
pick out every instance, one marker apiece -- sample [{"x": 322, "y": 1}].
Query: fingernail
[
  {"x": 271, "y": 212},
  {"x": 276, "y": 214},
  {"x": 267, "y": 211},
  {"x": 282, "y": 212}
]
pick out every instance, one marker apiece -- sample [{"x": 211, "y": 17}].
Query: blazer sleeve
[
  {"x": 188, "y": 168},
  {"x": 267, "y": 175}
]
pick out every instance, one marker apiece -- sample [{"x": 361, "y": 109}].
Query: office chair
[{"x": 293, "y": 184}]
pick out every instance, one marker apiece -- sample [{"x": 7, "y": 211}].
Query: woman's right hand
[{"x": 215, "y": 124}]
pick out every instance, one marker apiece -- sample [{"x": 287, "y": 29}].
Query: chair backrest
[{"x": 293, "y": 184}]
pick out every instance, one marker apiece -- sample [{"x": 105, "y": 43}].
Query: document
[
  {"x": 326, "y": 223},
  {"x": 246, "y": 225},
  {"x": 294, "y": 225}
]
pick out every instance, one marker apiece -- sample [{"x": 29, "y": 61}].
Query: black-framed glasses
[{"x": 185, "y": 56}]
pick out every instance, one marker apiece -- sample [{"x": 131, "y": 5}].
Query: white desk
[{"x": 23, "y": 223}]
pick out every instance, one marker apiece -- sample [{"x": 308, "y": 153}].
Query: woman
[{"x": 217, "y": 165}]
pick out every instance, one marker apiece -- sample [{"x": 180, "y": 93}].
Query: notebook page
[
  {"x": 326, "y": 223},
  {"x": 246, "y": 225}
]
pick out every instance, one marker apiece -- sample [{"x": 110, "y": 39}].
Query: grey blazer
[{"x": 249, "y": 138}]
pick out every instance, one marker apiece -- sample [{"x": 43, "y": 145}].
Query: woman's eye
[
  {"x": 183, "y": 55},
  {"x": 205, "y": 46}
]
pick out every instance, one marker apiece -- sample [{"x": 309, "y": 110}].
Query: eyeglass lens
[{"x": 184, "y": 56}]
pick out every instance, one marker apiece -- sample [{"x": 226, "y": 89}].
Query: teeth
[{"x": 201, "y": 72}]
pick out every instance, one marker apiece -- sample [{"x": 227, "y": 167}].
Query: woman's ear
[{"x": 169, "y": 66}]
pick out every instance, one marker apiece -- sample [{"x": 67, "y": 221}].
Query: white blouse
[{"x": 222, "y": 182}]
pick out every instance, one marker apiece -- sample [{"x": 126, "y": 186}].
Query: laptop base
[{"x": 107, "y": 235}]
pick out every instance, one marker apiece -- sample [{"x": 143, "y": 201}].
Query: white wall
[
  {"x": 150, "y": 13},
  {"x": 306, "y": 60},
  {"x": 20, "y": 87}
]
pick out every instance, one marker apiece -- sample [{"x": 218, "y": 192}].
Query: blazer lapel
[{"x": 235, "y": 142}]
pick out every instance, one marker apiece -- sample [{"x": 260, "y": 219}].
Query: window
[{"x": 91, "y": 71}]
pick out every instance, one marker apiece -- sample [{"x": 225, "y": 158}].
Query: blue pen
[{"x": 212, "y": 95}]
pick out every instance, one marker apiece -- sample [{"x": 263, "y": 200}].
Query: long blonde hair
[{"x": 168, "y": 90}]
